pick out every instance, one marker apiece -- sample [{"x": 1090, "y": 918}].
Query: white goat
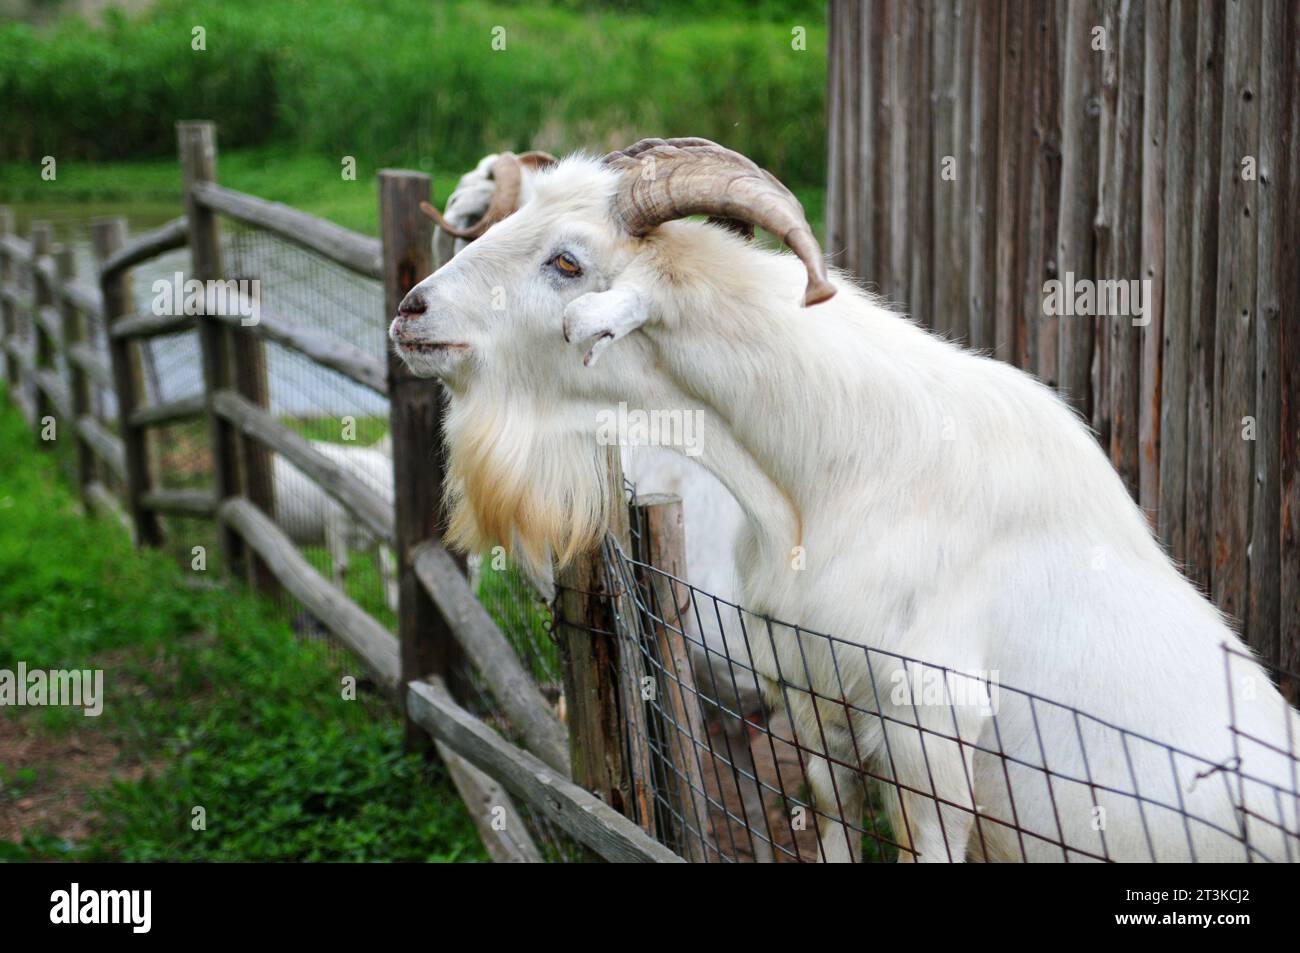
[
  {"x": 312, "y": 517},
  {"x": 900, "y": 492}
]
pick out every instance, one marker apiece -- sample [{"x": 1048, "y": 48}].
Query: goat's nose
[{"x": 411, "y": 305}]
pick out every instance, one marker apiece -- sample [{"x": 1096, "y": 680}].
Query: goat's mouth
[{"x": 428, "y": 347}]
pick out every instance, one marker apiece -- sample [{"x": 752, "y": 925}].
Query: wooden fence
[
  {"x": 51, "y": 321},
  {"x": 979, "y": 150}
]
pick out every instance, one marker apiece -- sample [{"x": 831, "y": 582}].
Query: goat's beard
[{"x": 514, "y": 482}]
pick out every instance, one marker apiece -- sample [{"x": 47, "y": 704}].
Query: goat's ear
[{"x": 605, "y": 316}]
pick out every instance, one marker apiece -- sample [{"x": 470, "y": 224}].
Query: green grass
[
  {"x": 208, "y": 690},
  {"x": 419, "y": 84}
]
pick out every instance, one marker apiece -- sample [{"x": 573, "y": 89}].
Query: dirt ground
[{"x": 47, "y": 778}]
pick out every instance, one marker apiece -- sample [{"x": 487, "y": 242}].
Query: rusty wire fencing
[{"x": 911, "y": 753}]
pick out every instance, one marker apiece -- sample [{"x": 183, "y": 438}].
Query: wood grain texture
[
  {"x": 1264, "y": 607},
  {"x": 1205, "y": 253},
  {"x": 108, "y": 236},
  {"x": 661, "y": 543},
  {"x": 1145, "y": 192},
  {"x": 587, "y": 633},
  {"x": 587, "y": 818},
  {"x": 1232, "y": 476},
  {"x": 150, "y": 244},
  {"x": 197, "y": 143},
  {"x": 1155, "y": 60},
  {"x": 1180, "y": 146},
  {"x": 415, "y": 423},
  {"x": 72, "y": 334},
  {"x": 1289, "y": 349}
]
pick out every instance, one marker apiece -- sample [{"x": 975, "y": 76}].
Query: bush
[{"x": 412, "y": 81}]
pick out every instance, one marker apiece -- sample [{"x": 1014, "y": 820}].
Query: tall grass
[{"x": 410, "y": 81}]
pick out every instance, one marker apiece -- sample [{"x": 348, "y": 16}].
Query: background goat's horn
[
  {"x": 505, "y": 172},
  {"x": 667, "y": 179}
]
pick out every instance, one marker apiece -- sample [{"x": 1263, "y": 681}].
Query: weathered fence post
[
  {"x": 42, "y": 239},
  {"x": 8, "y": 326},
  {"x": 415, "y": 410},
  {"x": 78, "y": 387},
  {"x": 108, "y": 235},
  {"x": 602, "y": 702},
  {"x": 248, "y": 351},
  {"x": 661, "y": 543},
  {"x": 198, "y": 151}
]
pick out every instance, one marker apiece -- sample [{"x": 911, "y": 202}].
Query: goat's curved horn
[
  {"x": 674, "y": 178},
  {"x": 506, "y": 173}
]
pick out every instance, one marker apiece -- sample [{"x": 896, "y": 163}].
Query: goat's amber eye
[{"x": 567, "y": 264}]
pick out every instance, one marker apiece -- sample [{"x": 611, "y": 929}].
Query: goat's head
[{"x": 510, "y": 322}]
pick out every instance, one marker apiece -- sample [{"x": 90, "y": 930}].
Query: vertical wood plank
[
  {"x": 107, "y": 236},
  {"x": 1039, "y": 349},
  {"x": 661, "y": 543},
  {"x": 42, "y": 244},
  {"x": 899, "y": 172},
  {"x": 1155, "y": 84},
  {"x": 197, "y": 143},
  {"x": 848, "y": 114},
  {"x": 587, "y": 632},
  {"x": 8, "y": 321},
  {"x": 1009, "y": 215},
  {"x": 924, "y": 170},
  {"x": 248, "y": 352},
  {"x": 1104, "y": 224},
  {"x": 1124, "y": 263},
  {"x": 1180, "y": 146},
  {"x": 415, "y": 422},
  {"x": 1234, "y": 340},
  {"x": 838, "y": 14},
  {"x": 981, "y": 224},
  {"x": 78, "y": 387},
  {"x": 1264, "y": 556},
  {"x": 953, "y": 243},
  {"x": 868, "y": 76},
  {"x": 882, "y": 174},
  {"x": 1289, "y": 349},
  {"x": 1205, "y": 253},
  {"x": 946, "y": 271},
  {"x": 1080, "y": 129}
]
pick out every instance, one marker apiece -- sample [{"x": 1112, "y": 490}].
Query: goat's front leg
[
  {"x": 838, "y": 792},
  {"x": 935, "y": 808}
]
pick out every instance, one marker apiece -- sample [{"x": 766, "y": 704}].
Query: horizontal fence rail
[{"x": 347, "y": 248}]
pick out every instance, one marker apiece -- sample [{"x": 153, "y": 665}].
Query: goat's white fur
[
  {"x": 949, "y": 508},
  {"x": 312, "y": 517}
]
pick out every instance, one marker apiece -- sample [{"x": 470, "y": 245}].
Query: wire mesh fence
[{"x": 766, "y": 742}]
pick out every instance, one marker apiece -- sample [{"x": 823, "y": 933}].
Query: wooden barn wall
[{"x": 1106, "y": 139}]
